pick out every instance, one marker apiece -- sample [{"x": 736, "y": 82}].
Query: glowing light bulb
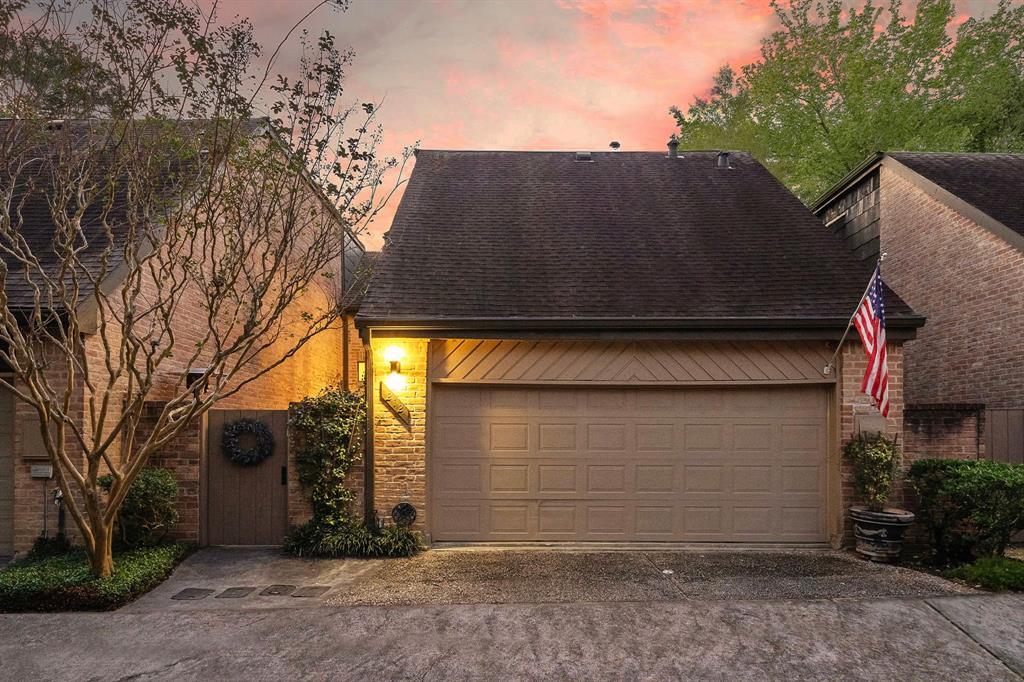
[{"x": 393, "y": 354}]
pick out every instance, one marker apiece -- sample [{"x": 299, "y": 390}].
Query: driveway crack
[
  {"x": 971, "y": 637},
  {"x": 670, "y": 577}
]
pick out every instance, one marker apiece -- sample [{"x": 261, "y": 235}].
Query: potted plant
[{"x": 877, "y": 528}]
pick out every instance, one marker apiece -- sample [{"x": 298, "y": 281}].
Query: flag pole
[{"x": 839, "y": 346}]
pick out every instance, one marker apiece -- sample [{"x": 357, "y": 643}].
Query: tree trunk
[{"x": 101, "y": 555}]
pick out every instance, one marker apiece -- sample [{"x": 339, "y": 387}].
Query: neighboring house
[
  {"x": 952, "y": 226},
  {"x": 219, "y": 502},
  {"x": 615, "y": 347}
]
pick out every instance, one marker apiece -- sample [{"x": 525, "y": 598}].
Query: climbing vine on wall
[{"x": 326, "y": 432}]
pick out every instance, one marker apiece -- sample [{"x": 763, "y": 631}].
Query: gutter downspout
[
  {"x": 369, "y": 513},
  {"x": 345, "y": 378}
]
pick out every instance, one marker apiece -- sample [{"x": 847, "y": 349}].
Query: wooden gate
[
  {"x": 246, "y": 505},
  {"x": 1004, "y": 435}
]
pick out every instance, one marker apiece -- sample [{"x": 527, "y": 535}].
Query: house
[
  {"x": 952, "y": 226},
  {"x": 576, "y": 347},
  {"x": 218, "y": 503}
]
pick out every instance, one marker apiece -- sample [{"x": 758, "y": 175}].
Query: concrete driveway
[
  {"x": 238, "y": 579},
  {"x": 946, "y": 638}
]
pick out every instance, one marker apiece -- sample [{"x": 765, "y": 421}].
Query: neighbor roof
[
  {"x": 992, "y": 183},
  {"x": 35, "y": 190},
  {"x": 628, "y": 236}
]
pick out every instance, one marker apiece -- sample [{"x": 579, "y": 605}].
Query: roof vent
[
  {"x": 673, "y": 147},
  {"x": 723, "y": 160},
  {"x": 584, "y": 156},
  {"x": 614, "y": 144}
]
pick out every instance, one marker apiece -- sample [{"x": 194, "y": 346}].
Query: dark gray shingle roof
[
  {"x": 992, "y": 183},
  {"x": 35, "y": 188},
  {"x": 539, "y": 235}
]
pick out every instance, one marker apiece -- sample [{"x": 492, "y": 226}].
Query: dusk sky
[{"x": 529, "y": 74}]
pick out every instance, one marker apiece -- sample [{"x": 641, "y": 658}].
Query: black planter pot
[{"x": 880, "y": 534}]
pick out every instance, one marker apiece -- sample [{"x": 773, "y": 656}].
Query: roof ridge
[{"x": 574, "y": 151}]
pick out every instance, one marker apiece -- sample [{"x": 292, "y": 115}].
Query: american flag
[{"x": 870, "y": 323}]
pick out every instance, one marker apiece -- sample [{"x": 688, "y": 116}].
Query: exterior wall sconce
[
  {"x": 394, "y": 355},
  {"x": 394, "y": 383}
]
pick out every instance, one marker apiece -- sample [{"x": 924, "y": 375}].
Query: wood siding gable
[{"x": 636, "y": 363}]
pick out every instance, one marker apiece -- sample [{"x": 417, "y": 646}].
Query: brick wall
[
  {"x": 969, "y": 284},
  {"x": 315, "y": 366},
  {"x": 356, "y": 353},
  {"x": 400, "y": 449},
  {"x": 182, "y": 456},
  {"x": 30, "y": 513},
  {"x": 944, "y": 431},
  {"x": 857, "y": 409}
]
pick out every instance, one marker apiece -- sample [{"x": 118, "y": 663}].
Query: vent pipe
[
  {"x": 673, "y": 147},
  {"x": 723, "y": 160}
]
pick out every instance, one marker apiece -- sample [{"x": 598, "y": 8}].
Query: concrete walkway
[{"x": 946, "y": 638}]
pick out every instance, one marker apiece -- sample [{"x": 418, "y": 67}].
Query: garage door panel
[{"x": 599, "y": 464}]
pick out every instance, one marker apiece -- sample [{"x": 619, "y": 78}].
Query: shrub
[
  {"x": 46, "y": 546},
  {"x": 64, "y": 582},
  {"x": 149, "y": 510},
  {"x": 874, "y": 457},
  {"x": 351, "y": 540},
  {"x": 971, "y": 507},
  {"x": 992, "y": 573},
  {"x": 325, "y": 431},
  {"x": 326, "y": 438}
]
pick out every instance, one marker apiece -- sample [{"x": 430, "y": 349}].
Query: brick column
[{"x": 400, "y": 449}]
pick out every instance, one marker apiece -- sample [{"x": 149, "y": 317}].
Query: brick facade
[
  {"x": 400, "y": 450},
  {"x": 317, "y": 364},
  {"x": 969, "y": 284},
  {"x": 946, "y": 431}
]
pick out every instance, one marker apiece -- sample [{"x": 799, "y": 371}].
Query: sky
[{"x": 527, "y": 74}]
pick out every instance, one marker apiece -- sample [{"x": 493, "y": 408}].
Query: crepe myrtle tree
[{"x": 167, "y": 207}]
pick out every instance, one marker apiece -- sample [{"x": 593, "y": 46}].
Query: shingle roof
[
  {"x": 35, "y": 189},
  {"x": 992, "y": 183},
  {"x": 539, "y": 235},
  {"x": 359, "y": 279}
]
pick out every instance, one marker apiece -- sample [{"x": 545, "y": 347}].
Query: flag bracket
[{"x": 839, "y": 346}]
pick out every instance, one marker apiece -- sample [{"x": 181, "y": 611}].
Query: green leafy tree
[{"x": 836, "y": 83}]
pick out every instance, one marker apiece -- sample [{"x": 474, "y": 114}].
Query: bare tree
[{"x": 166, "y": 209}]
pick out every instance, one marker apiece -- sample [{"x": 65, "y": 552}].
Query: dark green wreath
[{"x": 233, "y": 433}]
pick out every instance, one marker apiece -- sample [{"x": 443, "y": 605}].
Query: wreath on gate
[{"x": 230, "y": 442}]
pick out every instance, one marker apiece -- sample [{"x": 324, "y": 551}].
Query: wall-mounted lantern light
[
  {"x": 393, "y": 355},
  {"x": 394, "y": 383}
]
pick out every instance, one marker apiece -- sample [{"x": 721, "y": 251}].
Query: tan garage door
[{"x": 637, "y": 464}]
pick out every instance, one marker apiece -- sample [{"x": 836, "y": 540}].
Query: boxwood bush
[
  {"x": 63, "y": 582},
  {"x": 875, "y": 458},
  {"x": 971, "y": 508}
]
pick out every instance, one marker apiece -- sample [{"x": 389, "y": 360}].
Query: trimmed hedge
[
  {"x": 971, "y": 508},
  {"x": 351, "y": 540},
  {"x": 992, "y": 573},
  {"x": 63, "y": 582}
]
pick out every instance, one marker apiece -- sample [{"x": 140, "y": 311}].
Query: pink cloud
[{"x": 531, "y": 74}]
